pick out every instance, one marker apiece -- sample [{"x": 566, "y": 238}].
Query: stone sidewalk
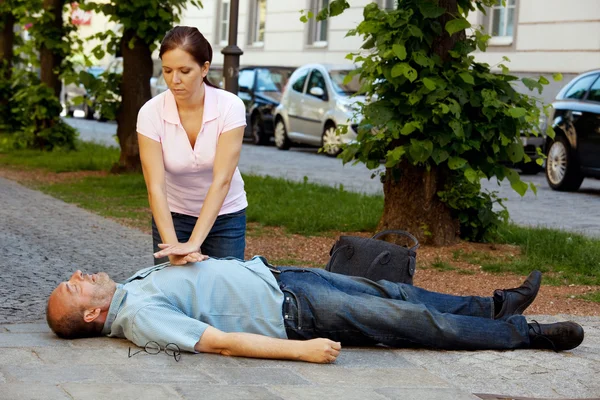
[{"x": 43, "y": 240}]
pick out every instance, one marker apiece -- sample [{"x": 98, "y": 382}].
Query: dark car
[
  {"x": 574, "y": 153},
  {"x": 260, "y": 88}
]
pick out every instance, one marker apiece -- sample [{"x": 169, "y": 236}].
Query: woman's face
[{"x": 182, "y": 73}]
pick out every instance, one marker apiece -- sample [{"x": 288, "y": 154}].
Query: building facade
[{"x": 538, "y": 36}]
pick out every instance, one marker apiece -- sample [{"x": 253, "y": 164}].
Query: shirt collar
[
  {"x": 113, "y": 310},
  {"x": 211, "y": 106}
]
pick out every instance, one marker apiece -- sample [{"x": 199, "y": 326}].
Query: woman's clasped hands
[{"x": 180, "y": 253}]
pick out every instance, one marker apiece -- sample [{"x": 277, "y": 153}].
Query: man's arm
[{"x": 258, "y": 346}]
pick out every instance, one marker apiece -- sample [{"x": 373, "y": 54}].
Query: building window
[
  {"x": 258, "y": 18},
  {"x": 500, "y": 22},
  {"x": 317, "y": 30},
  {"x": 223, "y": 27},
  {"x": 387, "y": 4}
]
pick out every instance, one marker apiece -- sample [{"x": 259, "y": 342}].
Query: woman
[{"x": 190, "y": 139}]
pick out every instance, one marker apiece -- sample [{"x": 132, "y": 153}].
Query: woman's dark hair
[{"x": 190, "y": 40}]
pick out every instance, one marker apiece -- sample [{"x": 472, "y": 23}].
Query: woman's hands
[{"x": 180, "y": 253}]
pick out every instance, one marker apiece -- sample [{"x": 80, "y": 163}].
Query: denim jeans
[
  {"x": 360, "y": 312},
  {"x": 227, "y": 237}
]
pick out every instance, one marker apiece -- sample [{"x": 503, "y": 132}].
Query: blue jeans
[
  {"x": 360, "y": 312},
  {"x": 227, "y": 237}
]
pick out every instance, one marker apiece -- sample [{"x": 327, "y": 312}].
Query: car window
[
  {"x": 316, "y": 80},
  {"x": 579, "y": 88},
  {"x": 246, "y": 78},
  {"x": 595, "y": 90},
  {"x": 298, "y": 84},
  {"x": 271, "y": 80},
  {"x": 337, "y": 79}
]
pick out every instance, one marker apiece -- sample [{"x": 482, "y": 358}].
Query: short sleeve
[
  {"x": 146, "y": 122},
  {"x": 235, "y": 116},
  {"x": 165, "y": 324}
]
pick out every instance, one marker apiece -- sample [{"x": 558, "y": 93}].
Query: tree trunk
[
  {"x": 7, "y": 41},
  {"x": 49, "y": 60},
  {"x": 412, "y": 204},
  {"x": 410, "y": 192},
  {"x": 135, "y": 92}
]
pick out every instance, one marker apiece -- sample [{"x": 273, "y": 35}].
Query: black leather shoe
[
  {"x": 515, "y": 301},
  {"x": 558, "y": 336}
]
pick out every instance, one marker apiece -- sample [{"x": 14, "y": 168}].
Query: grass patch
[
  {"x": 87, "y": 157},
  {"x": 594, "y": 296},
  {"x": 310, "y": 209},
  {"x": 441, "y": 265}
]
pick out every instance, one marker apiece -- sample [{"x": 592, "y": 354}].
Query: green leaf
[
  {"x": 517, "y": 112},
  {"x": 409, "y": 128},
  {"x": 543, "y": 80},
  {"x": 467, "y": 77},
  {"x": 471, "y": 175},
  {"x": 439, "y": 156},
  {"x": 304, "y": 19},
  {"x": 515, "y": 152},
  {"x": 400, "y": 51},
  {"x": 430, "y": 10},
  {"x": 429, "y": 83},
  {"x": 557, "y": 77},
  {"x": 533, "y": 188},
  {"x": 532, "y": 84},
  {"x": 410, "y": 73},
  {"x": 415, "y": 31},
  {"x": 457, "y": 25},
  {"x": 337, "y": 7},
  {"x": 349, "y": 56},
  {"x": 421, "y": 58},
  {"x": 398, "y": 69},
  {"x": 456, "y": 162},
  {"x": 394, "y": 156},
  {"x": 420, "y": 150}
]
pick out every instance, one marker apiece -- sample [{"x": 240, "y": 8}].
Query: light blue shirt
[{"x": 170, "y": 304}]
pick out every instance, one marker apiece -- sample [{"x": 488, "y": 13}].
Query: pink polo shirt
[{"x": 189, "y": 172}]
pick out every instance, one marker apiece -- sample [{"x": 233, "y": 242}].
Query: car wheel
[
  {"x": 331, "y": 141},
  {"x": 281, "y": 138},
  {"x": 257, "y": 131},
  {"x": 562, "y": 167}
]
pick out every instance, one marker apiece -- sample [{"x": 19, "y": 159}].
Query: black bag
[{"x": 374, "y": 259}]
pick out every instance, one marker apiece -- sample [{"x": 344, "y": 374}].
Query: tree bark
[
  {"x": 49, "y": 60},
  {"x": 412, "y": 204},
  {"x": 7, "y": 41},
  {"x": 410, "y": 192},
  {"x": 135, "y": 92}
]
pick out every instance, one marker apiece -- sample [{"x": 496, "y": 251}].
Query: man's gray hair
[{"x": 71, "y": 325}]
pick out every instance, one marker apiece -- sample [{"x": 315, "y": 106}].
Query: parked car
[
  {"x": 574, "y": 153},
  {"x": 530, "y": 145},
  {"x": 215, "y": 76},
  {"x": 74, "y": 90},
  {"x": 260, "y": 88},
  {"x": 314, "y": 103}
]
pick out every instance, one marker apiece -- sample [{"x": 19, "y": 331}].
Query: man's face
[{"x": 84, "y": 291}]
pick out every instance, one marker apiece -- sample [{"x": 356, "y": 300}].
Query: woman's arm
[
  {"x": 154, "y": 176},
  {"x": 227, "y": 157},
  {"x": 258, "y": 346}
]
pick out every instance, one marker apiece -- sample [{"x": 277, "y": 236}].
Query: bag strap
[{"x": 401, "y": 233}]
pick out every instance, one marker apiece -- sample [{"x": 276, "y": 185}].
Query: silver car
[{"x": 314, "y": 103}]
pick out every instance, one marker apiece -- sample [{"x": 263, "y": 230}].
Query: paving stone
[
  {"x": 167, "y": 374},
  {"x": 94, "y": 356},
  {"x": 23, "y": 391},
  {"x": 257, "y": 376},
  {"x": 108, "y": 391},
  {"x": 56, "y": 374},
  {"x": 19, "y": 356},
  {"x": 425, "y": 394},
  {"x": 226, "y": 392},
  {"x": 372, "y": 377},
  {"x": 326, "y": 392},
  {"x": 28, "y": 339},
  {"x": 36, "y": 327}
]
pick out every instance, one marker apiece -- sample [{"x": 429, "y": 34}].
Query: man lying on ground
[{"x": 250, "y": 309}]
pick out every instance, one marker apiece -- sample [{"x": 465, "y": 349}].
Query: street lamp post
[{"x": 232, "y": 53}]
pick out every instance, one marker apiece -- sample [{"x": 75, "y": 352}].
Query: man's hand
[
  {"x": 321, "y": 351},
  {"x": 180, "y": 253}
]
